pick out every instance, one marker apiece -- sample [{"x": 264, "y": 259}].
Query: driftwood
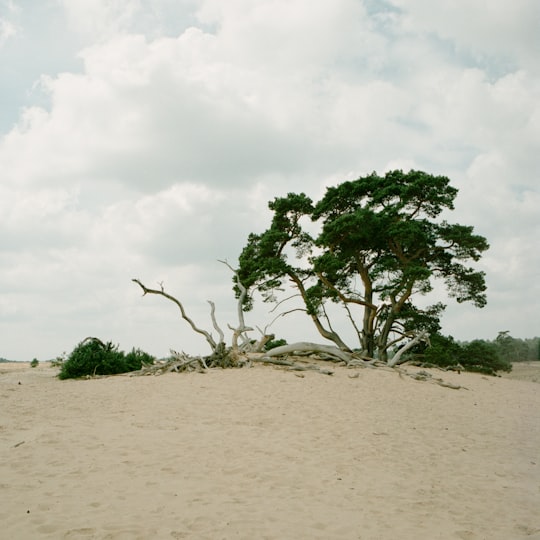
[
  {"x": 291, "y": 366},
  {"x": 181, "y": 362},
  {"x": 222, "y": 355},
  {"x": 425, "y": 376},
  {"x": 161, "y": 292},
  {"x": 306, "y": 347},
  {"x": 178, "y": 362},
  {"x": 398, "y": 357}
]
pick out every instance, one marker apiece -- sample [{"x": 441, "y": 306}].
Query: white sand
[{"x": 264, "y": 454}]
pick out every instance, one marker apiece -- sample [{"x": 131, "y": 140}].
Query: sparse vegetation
[
  {"x": 59, "y": 360},
  {"x": 34, "y": 363},
  {"x": 273, "y": 343}
]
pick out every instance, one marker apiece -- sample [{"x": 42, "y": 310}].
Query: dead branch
[
  {"x": 396, "y": 359},
  {"x": 214, "y": 321},
  {"x": 241, "y": 329},
  {"x": 179, "y": 362},
  {"x": 195, "y": 328},
  {"x": 292, "y": 366},
  {"x": 263, "y": 340}
]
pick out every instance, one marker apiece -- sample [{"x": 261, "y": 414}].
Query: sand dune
[{"x": 262, "y": 453}]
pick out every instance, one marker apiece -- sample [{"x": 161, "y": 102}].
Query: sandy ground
[
  {"x": 263, "y": 453},
  {"x": 524, "y": 371}
]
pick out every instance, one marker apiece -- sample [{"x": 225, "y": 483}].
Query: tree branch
[
  {"x": 214, "y": 321},
  {"x": 161, "y": 292},
  {"x": 311, "y": 347},
  {"x": 396, "y": 359}
]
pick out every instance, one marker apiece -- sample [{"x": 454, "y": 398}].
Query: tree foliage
[
  {"x": 94, "y": 357},
  {"x": 513, "y": 349},
  {"x": 380, "y": 243},
  {"x": 478, "y": 355},
  {"x": 483, "y": 356}
]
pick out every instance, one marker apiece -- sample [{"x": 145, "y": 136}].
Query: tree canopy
[{"x": 380, "y": 242}]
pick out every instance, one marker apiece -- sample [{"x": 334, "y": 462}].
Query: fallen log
[{"x": 306, "y": 347}]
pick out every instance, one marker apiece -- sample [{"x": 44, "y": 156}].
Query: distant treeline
[
  {"x": 517, "y": 350},
  {"x": 480, "y": 355}
]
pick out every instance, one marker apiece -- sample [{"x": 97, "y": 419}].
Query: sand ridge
[{"x": 263, "y": 453}]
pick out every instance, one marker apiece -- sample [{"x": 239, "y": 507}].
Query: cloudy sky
[{"x": 144, "y": 138}]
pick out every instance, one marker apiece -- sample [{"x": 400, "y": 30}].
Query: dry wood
[
  {"x": 195, "y": 328},
  {"x": 306, "y": 347},
  {"x": 292, "y": 366},
  {"x": 178, "y": 362}
]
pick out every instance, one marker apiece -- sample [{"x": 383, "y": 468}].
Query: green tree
[
  {"x": 533, "y": 348},
  {"x": 511, "y": 349},
  {"x": 380, "y": 242}
]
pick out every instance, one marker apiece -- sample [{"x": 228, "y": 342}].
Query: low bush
[
  {"x": 34, "y": 363},
  {"x": 93, "y": 357},
  {"x": 273, "y": 343},
  {"x": 478, "y": 355},
  {"x": 484, "y": 357},
  {"x": 137, "y": 358}
]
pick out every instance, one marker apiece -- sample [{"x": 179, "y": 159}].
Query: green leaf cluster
[{"x": 94, "y": 357}]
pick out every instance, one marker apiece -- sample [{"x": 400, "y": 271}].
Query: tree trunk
[
  {"x": 397, "y": 358},
  {"x": 304, "y": 346},
  {"x": 327, "y": 334}
]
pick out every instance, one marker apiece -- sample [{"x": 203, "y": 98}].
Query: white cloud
[
  {"x": 497, "y": 31},
  {"x": 159, "y": 154},
  {"x": 7, "y": 30},
  {"x": 98, "y": 19}
]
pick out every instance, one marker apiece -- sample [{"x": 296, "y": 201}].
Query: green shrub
[
  {"x": 34, "y": 363},
  {"x": 137, "y": 358},
  {"x": 443, "y": 351},
  {"x": 484, "y": 357},
  {"x": 273, "y": 343},
  {"x": 478, "y": 355},
  {"x": 93, "y": 357}
]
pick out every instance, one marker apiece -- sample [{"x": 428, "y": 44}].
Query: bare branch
[
  {"x": 161, "y": 292},
  {"x": 241, "y": 329},
  {"x": 396, "y": 359},
  {"x": 285, "y": 300},
  {"x": 342, "y": 297},
  {"x": 214, "y": 322},
  {"x": 311, "y": 347},
  {"x": 283, "y": 314}
]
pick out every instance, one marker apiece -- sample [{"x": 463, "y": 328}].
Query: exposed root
[{"x": 292, "y": 366}]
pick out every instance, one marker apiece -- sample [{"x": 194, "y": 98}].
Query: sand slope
[{"x": 264, "y": 454}]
